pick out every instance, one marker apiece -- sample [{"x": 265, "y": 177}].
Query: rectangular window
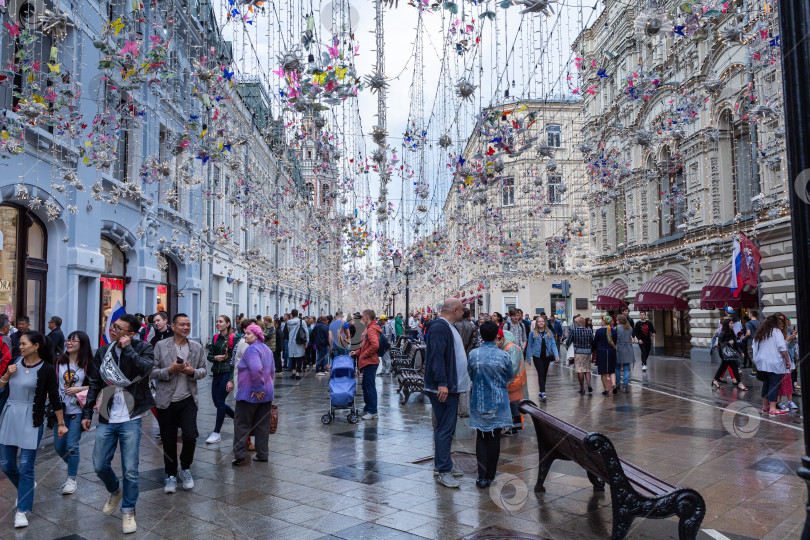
[
  {"x": 620, "y": 220},
  {"x": 554, "y": 135},
  {"x": 555, "y": 190},
  {"x": 508, "y": 192}
]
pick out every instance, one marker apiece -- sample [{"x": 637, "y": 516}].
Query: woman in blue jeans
[
  {"x": 71, "y": 369},
  {"x": 30, "y": 379},
  {"x": 219, "y": 354},
  {"x": 368, "y": 362}
]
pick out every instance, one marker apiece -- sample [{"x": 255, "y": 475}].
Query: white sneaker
[
  {"x": 128, "y": 523},
  {"x": 20, "y": 520},
  {"x": 643, "y": 368},
  {"x": 69, "y": 487},
  {"x": 188, "y": 481},
  {"x": 369, "y": 416},
  {"x": 171, "y": 485},
  {"x": 792, "y": 405},
  {"x": 113, "y": 502},
  {"x": 213, "y": 438}
]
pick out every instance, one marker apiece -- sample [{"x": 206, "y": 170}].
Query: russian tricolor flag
[
  {"x": 116, "y": 312},
  {"x": 736, "y": 269}
]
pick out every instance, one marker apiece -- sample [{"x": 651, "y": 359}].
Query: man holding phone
[{"x": 179, "y": 364}]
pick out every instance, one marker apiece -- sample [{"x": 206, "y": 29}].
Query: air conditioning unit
[{"x": 26, "y": 12}]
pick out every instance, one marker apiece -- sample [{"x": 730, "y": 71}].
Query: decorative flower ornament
[
  {"x": 733, "y": 33},
  {"x": 544, "y": 150},
  {"x": 445, "y": 141},
  {"x": 291, "y": 60}
]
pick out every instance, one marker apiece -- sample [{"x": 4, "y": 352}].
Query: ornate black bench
[
  {"x": 412, "y": 380},
  {"x": 401, "y": 357},
  {"x": 634, "y": 492}
]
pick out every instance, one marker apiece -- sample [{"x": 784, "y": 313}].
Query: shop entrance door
[{"x": 677, "y": 333}]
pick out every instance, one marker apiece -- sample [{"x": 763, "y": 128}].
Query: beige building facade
[{"x": 685, "y": 150}]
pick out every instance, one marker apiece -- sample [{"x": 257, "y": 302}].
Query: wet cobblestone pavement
[{"x": 375, "y": 480}]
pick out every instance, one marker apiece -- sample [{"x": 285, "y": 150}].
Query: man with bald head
[{"x": 445, "y": 378}]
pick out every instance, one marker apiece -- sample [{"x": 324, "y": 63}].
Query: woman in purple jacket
[{"x": 254, "y": 397}]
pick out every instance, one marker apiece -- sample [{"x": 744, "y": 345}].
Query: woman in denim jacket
[{"x": 491, "y": 371}]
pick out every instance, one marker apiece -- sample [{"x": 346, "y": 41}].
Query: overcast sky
[{"x": 538, "y": 49}]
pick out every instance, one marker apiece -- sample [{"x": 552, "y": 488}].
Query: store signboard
[{"x": 112, "y": 284}]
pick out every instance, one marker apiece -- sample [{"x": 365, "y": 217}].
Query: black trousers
[
  {"x": 645, "y": 347},
  {"x": 487, "y": 451},
  {"x": 735, "y": 370},
  {"x": 179, "y": 414},
  {"x": 541, "y": 365},
  {"x": 253, "y": 417},
  {"x": 297, "y": 363}
]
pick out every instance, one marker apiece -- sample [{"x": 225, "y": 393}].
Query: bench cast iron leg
[
  {"x": 542, "y": 470},
  {"x": 598, "y": 485}
]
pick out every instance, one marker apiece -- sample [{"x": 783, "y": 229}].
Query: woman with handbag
[
  {"x": 31, "y": 380},
  {"x": 772, "y": 361},
  {"x": 71, "y": 369},
  {"x": 625, "y": 356},
  {"x": 604, "y": 347},
  {"x": 254, "y": 397},
  {"x": 727, "y": 347}
]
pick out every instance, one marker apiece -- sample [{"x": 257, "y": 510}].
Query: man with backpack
[{"x": 297, "y": 341}]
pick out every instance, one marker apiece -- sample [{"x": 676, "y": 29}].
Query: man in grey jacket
[
  {"x": 179, "y": 364},
  {"x": 468, "y": 331}
]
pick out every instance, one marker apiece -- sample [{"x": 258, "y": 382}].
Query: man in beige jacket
[{"x": 179, "y": 364}]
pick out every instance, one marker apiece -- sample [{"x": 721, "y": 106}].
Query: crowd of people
[{"x": 150, "y": 366}]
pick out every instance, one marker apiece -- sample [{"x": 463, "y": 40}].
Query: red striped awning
[
  {"x": 612, "y": 296},
  {"x": 664, "y": 291},
  {"x": 716, "y": 293}
]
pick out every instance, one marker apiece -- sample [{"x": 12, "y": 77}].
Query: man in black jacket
[
  {"x": 446, "y": 378},
  {"x": 23, "y": 325},
  {"x": 119, "y": 378},
  {"x": 56, "y": 336},
  {"x": 163, "y": 329}
]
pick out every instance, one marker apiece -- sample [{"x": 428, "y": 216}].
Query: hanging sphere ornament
[
  {"x": 536, "y": 6},
  {"x": 713, "y": 85},
  {"x": 733, "y": 33},
  {"x": 445, "y": 141},
  {"x": 320, "y": 122},
  {"x": 544, "y": 150},
  {"x": 586, "y": 148},
  {"x": 379, "y": 156},
  {"x": 376, "y": 82},
  {"x": 379, "y": 135},
  {"x": 54, "y": 24},
  {"x": 642, "y": 137},
  {"x": 652, "y": 23},
  {"x": 465, "y": 89},
  {"x": 551, "y": 166},
  {"x": 290, "y": 61}
]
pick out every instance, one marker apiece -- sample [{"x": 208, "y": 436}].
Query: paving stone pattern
[{"x": 371, "y": 480}]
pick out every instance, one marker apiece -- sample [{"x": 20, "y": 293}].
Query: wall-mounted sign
[
  {"x": 161, "y": 289},
  {"x": 228, "y": 298},
  {"x": 112, "y": 284}
]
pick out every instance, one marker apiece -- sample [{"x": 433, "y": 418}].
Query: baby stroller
[{"x": 342, "y": 386}]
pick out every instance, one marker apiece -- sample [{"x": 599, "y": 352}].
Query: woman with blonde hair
[
  {"x": 542, "y": 348},
  {"x": 625, "y": 356}
]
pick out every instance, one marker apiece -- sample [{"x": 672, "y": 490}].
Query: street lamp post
[
  {"x": 396, "y": 259},
  {"x": 794, "y": 23},
  {"x": 394, "y": 304}
]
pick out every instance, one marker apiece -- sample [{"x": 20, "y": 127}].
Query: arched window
[
  {"x": 23, "y": 265},
  {"x": 113, "y": 281}
]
